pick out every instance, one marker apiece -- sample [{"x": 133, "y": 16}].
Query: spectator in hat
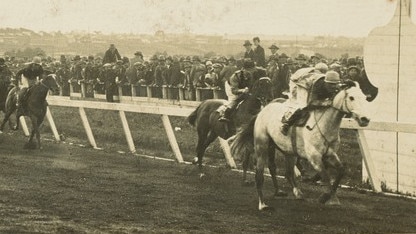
[
  {"x": 249, "y": 53},
  {"x": 138, "y": 57},
  {"x": 111, "y": 55},
  {"x": 228, "y": 70},
  {"x": 198, "y": 70},
  {"x": 316, "y": 58},
  {"x": 352, "y": 73},
  {"x": 301, "y": 62},
  {"x": 283, "y": 77},
  {"x": 273, "y": 49},
  {"x": 160, "y": 70},
  {"x": 108, "y": 76},
  {"x": 259, "y": 55}
]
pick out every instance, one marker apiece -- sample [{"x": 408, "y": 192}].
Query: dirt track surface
[{"x": 69, "y": 189}]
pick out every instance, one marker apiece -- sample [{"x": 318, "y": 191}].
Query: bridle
[
  {"x": 49, "y": 88},
  {"x": 262, "y": 98},
  {"x": 344, "y": 108}
]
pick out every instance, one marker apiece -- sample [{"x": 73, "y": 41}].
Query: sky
[{"x": 271, "y": 17}]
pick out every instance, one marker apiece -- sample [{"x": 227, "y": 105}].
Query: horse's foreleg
[
  {"x": 290, "y": 175},
  {"x": 272, "y": 168},
  {"x": 5, "y": 119},
  {"x": 332, "y": 161},
  {"x": 203, "y": 142},
  {"x": 38, "y": 136}
]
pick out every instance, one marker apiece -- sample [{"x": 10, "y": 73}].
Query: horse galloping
[
  {"x": 35, "y": 107},
  {"x": 206, "y": 117},
  {"x": 318, "y": 141}
]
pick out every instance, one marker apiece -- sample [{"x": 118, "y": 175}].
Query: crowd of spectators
[{"x": 105, "y": 74}]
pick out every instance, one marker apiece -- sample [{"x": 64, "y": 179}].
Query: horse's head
[
  {"x": 50, "y": 82},
  {"x": 262, "y": 90},
  {"x": 350, "y": 100}
]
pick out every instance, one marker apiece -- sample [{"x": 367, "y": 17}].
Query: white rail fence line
[{"x": 166, "y": 111}]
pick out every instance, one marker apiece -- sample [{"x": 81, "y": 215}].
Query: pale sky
[{"x": 274, "y": 17}]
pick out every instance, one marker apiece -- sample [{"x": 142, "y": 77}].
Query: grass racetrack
[{"x": 66, "y": 188}]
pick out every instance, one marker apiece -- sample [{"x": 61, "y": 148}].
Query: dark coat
[
  {"x": 249, "y": 54},
  {"x": 259, "y": 56},
  {"x": 111, "y": 56}
]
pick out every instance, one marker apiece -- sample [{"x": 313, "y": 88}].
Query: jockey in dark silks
[
  {"x": 27, "y": 77},
  {"x": 321, "y": 95},
  {"x": 241, "y": 83}
]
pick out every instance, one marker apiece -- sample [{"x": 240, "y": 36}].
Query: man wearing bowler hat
[{"x": 249, "y": 53}]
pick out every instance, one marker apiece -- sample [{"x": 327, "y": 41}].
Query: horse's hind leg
[
  {"x": 272, "y": 168},
  {"x": 261, "y": 149},
  {"x": 290, "y": 161}
]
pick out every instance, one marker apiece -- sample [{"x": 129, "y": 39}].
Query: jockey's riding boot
[
  {"x": 227, "y": 115},
  {"x": 284, "y": 129}
]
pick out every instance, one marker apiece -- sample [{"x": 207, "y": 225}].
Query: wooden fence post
[
  {"x": 149, "y": 91},
  {"x": 24, "y": 125},
  {"x": 172, "y": 138},
  {"x": 227, "y": 152},
  {"x": 127, "y": 132},
  {"x": 87, "y": 127},
  {"x": 368, "y": 161},
  {"x": 83, "y": 90},
  {"x": 52, "y": 124},
  {"x": 198, "y": 94},
  {"x": 181, "y": 93}
]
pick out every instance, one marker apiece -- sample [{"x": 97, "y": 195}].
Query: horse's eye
[{"x": 351, "y": 98}]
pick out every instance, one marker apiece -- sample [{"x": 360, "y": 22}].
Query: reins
[{"x": 344, "y": 103}]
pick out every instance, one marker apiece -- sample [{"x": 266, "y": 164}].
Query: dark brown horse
[
  {"x": 205, "y": 117},
  {"x": 35, "y": 108}
]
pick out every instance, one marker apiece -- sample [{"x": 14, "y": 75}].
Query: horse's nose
[{"x": 364, "y": 121}]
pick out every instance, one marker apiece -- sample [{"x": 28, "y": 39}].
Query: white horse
[{"x": 318, "y": 141}]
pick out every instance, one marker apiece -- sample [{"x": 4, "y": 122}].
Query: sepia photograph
[{"x": 207, "y": 116}]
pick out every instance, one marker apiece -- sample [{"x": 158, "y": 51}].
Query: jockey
[
  {"x": 28, "y": 76},
  {"x": 240, "y": 84},
  {"x": 323, "y": 90}
]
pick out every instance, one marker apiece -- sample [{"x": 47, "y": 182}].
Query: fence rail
[
  {"x": 165, "y": 110},
  {"x": 126, "y": 92}
]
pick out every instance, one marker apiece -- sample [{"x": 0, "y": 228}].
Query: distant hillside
[{"x": 85, "y": 43}]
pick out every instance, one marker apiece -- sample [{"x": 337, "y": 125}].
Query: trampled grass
[{"x": 150, "y": 137}]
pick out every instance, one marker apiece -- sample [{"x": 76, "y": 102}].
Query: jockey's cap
[
  {"x": 332, "y": 77},
  {"x": 322, "y": 67}
]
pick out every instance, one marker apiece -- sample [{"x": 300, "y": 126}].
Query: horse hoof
[
  {"x": 195, "y": 161},
  {"x": 267, "y": 208},
  {"x": 333, "y": 201},
  {"x": 280, "y": 193},
  {"x": 324, "y": 198},
  {"x": 202, "y": 176}
]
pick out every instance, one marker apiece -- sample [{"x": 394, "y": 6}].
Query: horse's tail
[
  {"x": 243, "y": 144},
  {"x": 192, "y": 117}
]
